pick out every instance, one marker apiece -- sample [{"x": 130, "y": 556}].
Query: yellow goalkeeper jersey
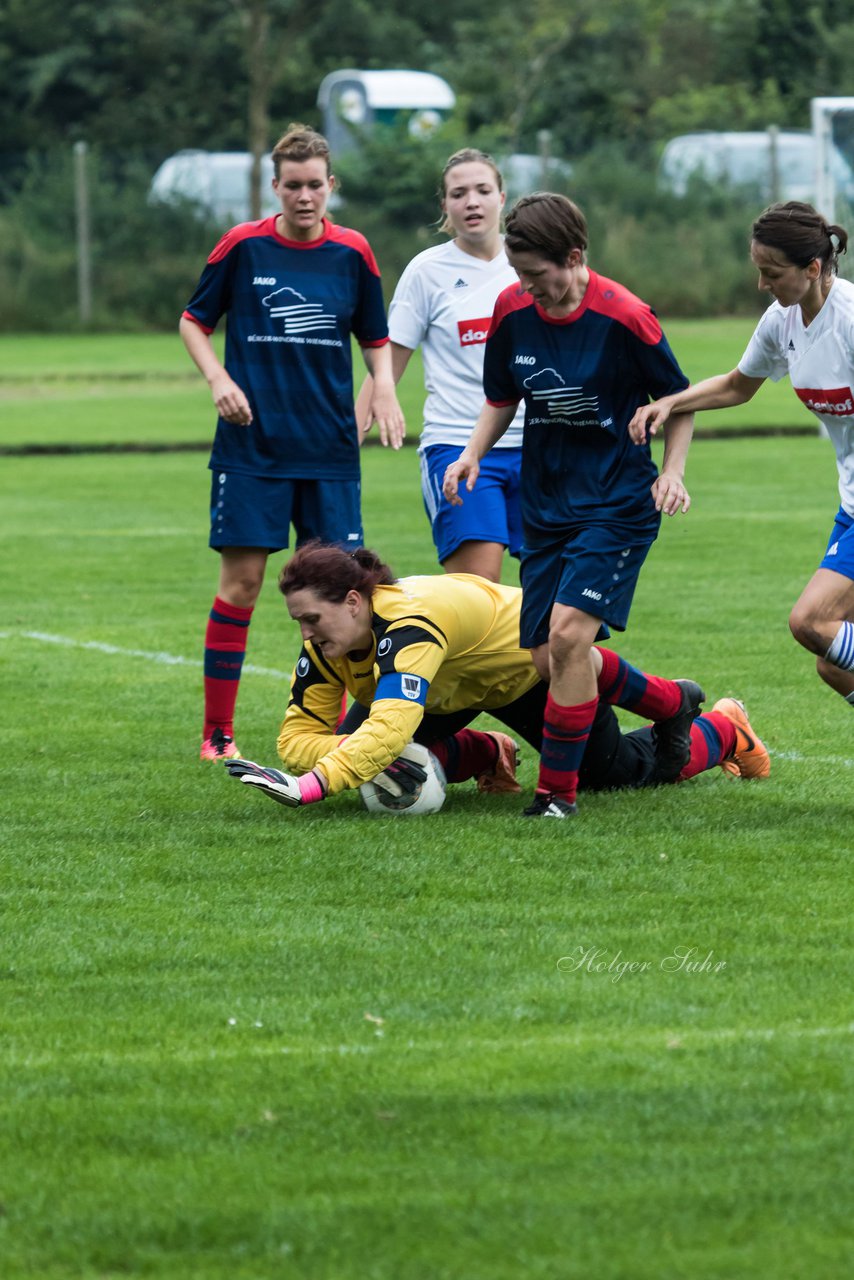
[{"x": 443, "y": 643}]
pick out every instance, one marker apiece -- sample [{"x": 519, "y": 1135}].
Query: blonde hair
[
  {"x": 466, "y": 155},
  {"x": 299, "y": 142}
]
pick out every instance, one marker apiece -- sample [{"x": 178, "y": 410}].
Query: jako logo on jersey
[
  {"x": 594, "y": 595},
  {"x": 472, "y": 331},
  {"x": 411, "y": 687},
  {"x": 264, "y": 280},
  {"x": 838, "y": 401},
  {"x": 525, "y": 360}
]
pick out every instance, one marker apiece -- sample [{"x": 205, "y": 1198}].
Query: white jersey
[
  {"x": 819, "y": 359},
  {"x": 443, "y": 303}
]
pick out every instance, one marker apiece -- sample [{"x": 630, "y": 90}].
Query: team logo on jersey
[
  {"x": 411, "y": 687},
  {"x": 472, "y": 331},
  {"x": 297, "y": 314},
  {"x": 562, "y": 403},
  {"x": 836, "y": 401},
  {"x": 303, "y": 666}
]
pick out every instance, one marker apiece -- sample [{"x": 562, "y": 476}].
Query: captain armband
[{"x": 403, "y": 686}]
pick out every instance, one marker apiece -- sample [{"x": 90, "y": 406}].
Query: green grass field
[
  {"x": 240, "y": 1042},
  {"x": 120, "y": 388}
]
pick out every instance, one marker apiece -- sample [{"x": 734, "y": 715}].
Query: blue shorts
[
  {"x": 257, "y": 511},
  {"x": 839, "y": 555},
  {"x": 596, "y": 570},
  {"x": 490, "y": 513}
]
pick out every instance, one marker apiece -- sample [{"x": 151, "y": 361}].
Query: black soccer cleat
[
  {"x": 547, "y": 805},
  {"x": 673, "y": 737}
]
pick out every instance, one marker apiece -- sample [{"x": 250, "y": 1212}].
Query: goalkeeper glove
[
  {"x": 404, "y": 775},
  {"x": 284, "y": 788}
]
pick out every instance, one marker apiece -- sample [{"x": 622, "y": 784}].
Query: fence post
[
  {"x": 84, "y": 232},
  {"x": 544, "y": 150}
]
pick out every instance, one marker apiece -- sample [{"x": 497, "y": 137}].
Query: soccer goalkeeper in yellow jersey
[{"x": 424, "y": 656}]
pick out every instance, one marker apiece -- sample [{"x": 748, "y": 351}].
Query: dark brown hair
[
  {"x": 548, "y": 225},
  {"x": 331, "y": 572},
  {"x": 800, "y": 233},
  {"x": 299, "y": 143}
]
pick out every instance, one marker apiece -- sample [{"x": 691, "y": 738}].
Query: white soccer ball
[{"x": 427, "y": 798}]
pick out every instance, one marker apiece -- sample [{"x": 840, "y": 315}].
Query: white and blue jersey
[
  {"x": 581, "y": 378},
  {"x": 291, "y": 309},
  {"x": 819, "y": 359}
]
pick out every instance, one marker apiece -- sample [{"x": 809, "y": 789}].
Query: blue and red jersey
[
  {"x": 581, "y": 378},
  {"x": 291, "y": 308}
]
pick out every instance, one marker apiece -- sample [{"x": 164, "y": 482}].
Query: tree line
[
  {"x": 609, "y": 79},
  {"x": 166, "y": 74}
]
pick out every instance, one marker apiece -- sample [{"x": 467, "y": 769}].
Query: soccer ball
[{"x": 427, "y": 798}]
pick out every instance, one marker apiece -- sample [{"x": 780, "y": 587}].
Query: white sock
[{"x": 841, "y": 652}]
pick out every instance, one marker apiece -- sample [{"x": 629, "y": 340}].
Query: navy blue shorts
[
  {"x": 839, "y": 555},
  {"x": 490, "y": 513},
  {"x": 596, "y": 569},
  {"x": 257, "y": 511}
]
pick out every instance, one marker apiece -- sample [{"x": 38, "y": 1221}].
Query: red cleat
[{"x": 219, "y": 746}]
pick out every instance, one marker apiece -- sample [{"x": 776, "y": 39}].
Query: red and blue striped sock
[
  {"x": 225, "y": 648},
  {"x": 712, "y": 740},
  {"x": 626, "y": 686},
  {"x": 565, "y": 734}
]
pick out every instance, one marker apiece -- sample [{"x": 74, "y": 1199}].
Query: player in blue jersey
[
  {"x": 583, "y": 353},
  {"x": 294, "y": 288}
]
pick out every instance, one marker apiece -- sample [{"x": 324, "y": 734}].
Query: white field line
[
  {"x": 660, "y": 1039},
  {"x": 797, "y": 755},
  {"x": 166, "y": 659},
  {"x": 174, "y": 660}
]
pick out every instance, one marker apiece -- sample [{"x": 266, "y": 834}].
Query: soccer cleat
[
  {"x": 672, "y": 737},
  {"x": 750, "y": 757},
  {"x": 219, "y": 746},
  {"x": 548, "y": 805},
  {"x": 502, "y": 776}
]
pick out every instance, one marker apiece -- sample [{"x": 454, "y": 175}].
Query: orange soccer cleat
[
  {"x": 750, "y": 757},
  {"x": 502, "y": 776}
]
